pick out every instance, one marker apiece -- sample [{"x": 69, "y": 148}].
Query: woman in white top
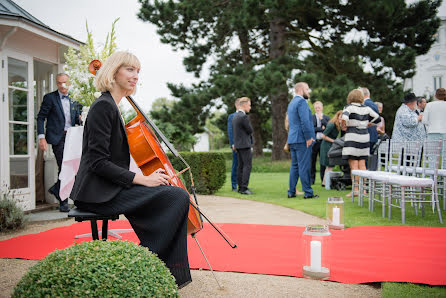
[{"x": 434, "y": 116}]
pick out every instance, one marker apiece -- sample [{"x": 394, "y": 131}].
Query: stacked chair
[{"x": 408, "y": 173}]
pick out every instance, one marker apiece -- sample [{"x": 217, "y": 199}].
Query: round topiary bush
[{"x": 99, "y": 269}]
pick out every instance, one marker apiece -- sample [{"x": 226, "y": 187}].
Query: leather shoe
[
  {"x": 51, "y": 191},
  {"x": 246, "y": 192},
  {"x": 63, "y": 206},
  {"x": 291, "y": 196},
  {"x": 311, "y": 197}
]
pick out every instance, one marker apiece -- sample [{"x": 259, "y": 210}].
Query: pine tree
[{"x": 261, "y": 48}]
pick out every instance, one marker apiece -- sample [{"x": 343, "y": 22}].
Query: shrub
[
  {"x": 99, "y": 269},
  {"x": 11, "y": 215},
  {"x": 208, "y": 170}
]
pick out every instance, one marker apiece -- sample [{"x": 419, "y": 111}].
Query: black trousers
[
  {"x": 315, "y": 152},
  {"x": 58, "y": 153},
  {"x": 244, "y": 157},
  {"x": 158, "y": 216}
]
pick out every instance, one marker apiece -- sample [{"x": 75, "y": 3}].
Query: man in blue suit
[
  {"x": 60, "y": 114},
  {"x": 300, "y": 139},
  {"x": 234, "y": 151},
  {"x": 372, "y": 129}
]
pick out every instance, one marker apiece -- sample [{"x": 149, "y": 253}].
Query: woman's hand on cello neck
[{"x": 157, "y": 178}]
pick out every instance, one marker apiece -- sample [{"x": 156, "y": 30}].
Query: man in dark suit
[
  {"x": 243, "y": 142},
  {"x": 372, "y": 129},
  {"x": 320, "y": 121},
  {"x": 60, "y": 114},
  {"x": 234, "y": 151},
  {"x": 300, "y": 139}
]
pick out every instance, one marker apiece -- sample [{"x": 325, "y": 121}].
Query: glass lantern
[
  {"x": 316, "y": 245},
  {"x": 335, "y": 213}
]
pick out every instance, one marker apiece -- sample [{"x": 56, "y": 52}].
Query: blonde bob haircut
[
  {"x": 105, "y": 77},
  {"x": 355, "y": 95}
]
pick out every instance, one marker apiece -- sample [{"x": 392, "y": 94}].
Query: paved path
[{"x": 219, "y": 210}]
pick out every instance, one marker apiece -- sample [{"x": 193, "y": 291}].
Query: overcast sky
[{"x": 159, "y": 63}]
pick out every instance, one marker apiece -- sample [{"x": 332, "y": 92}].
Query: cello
[{"x": 148, "y": 154}]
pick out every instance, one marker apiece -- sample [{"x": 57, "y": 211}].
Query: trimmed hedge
[
  {"x": 228, "y": 154},
  {"x": 208, "y": 170},
  {"x": 99, "y": 269}
]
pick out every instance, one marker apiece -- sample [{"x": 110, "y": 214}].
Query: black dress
[{"x": 103, "y": 185}]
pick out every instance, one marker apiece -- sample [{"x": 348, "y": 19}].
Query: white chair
[
  {"x": 378, "y": 180},
  {"x": 442, "y": 174},
  {"x": 414, "y": 189},
  {"x": 429, "y": 172},
  {"x": 364, "y": 175}
]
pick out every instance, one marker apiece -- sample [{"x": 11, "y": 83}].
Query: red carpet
[{"x": 358, "y": 255}]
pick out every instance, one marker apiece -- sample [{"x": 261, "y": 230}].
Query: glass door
[{"x": 20, "y": 129}]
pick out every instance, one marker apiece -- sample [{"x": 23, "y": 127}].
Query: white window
[{"x": 437, "y": 82}]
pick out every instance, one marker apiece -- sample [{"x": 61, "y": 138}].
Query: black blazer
[
  {"x": 52, "y": 110},
  {"x": 324, "y": 122},
  {"x": 104, "y": 167},
  {"x": 242, "y": 130}
]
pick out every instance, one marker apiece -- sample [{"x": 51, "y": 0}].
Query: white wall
[{"x": 202, "y": 143}]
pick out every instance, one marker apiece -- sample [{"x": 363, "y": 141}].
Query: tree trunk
[
  {"x": 253, "y": 116},
  {"x": 279, "y": 101},
  {"x": 258, "y": 141}
]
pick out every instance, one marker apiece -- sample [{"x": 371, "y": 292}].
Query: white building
[
  {"x": 31, "y": 55},
  {"x": 431, "y": 67},
  {"x": 202, "y": 144}
]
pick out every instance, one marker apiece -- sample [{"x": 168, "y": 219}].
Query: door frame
[{"x": 25, "y": 197}]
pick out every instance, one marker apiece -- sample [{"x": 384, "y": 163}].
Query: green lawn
[{"x": 269, "y": 181}]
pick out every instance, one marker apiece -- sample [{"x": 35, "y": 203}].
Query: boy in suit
[
  {"x": 60, "y": 114},
  {"x": 242, "y": 130}
]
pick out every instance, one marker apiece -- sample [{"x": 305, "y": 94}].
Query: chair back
[
  {"x": 411, "y": 157},
  {"x": 431, "y": 158},
  {"x": 443, "y": 155},
  {"x": 395, "y": 157},
  {"x": 383, "y": 156}
]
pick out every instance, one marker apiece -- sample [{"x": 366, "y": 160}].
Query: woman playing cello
[{"x": 157, "y": 211}]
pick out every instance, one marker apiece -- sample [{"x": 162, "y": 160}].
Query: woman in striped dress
[{"x": 356, "y": 117}]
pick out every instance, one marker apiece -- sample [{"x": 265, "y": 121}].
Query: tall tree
[{"x": 254, "y": 48}]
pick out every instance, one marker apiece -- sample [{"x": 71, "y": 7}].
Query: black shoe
[
  {"x": 246, "y": 192},
  {"x": 311, "y": 197},
  {"x": 63, "y": 206},
  {"x": 51, "y": 191},
  {"x": 291, "y": 196}
]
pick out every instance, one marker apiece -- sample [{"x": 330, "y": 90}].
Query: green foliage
[
  {"x": 82, "y": 81},
  {"x": 11, "y": 215},
  {"x": 208, "y": 170},
  {"x": 171, "y": 120},
  {"x": 217, "y": 138},
  {"x": 99, "y": 269},
  {"x": 261, "y": 48}
]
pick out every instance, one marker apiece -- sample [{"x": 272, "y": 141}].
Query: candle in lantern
[
  {"x": 316, "y": 256},
  {"x": 336, "y": 216}
]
